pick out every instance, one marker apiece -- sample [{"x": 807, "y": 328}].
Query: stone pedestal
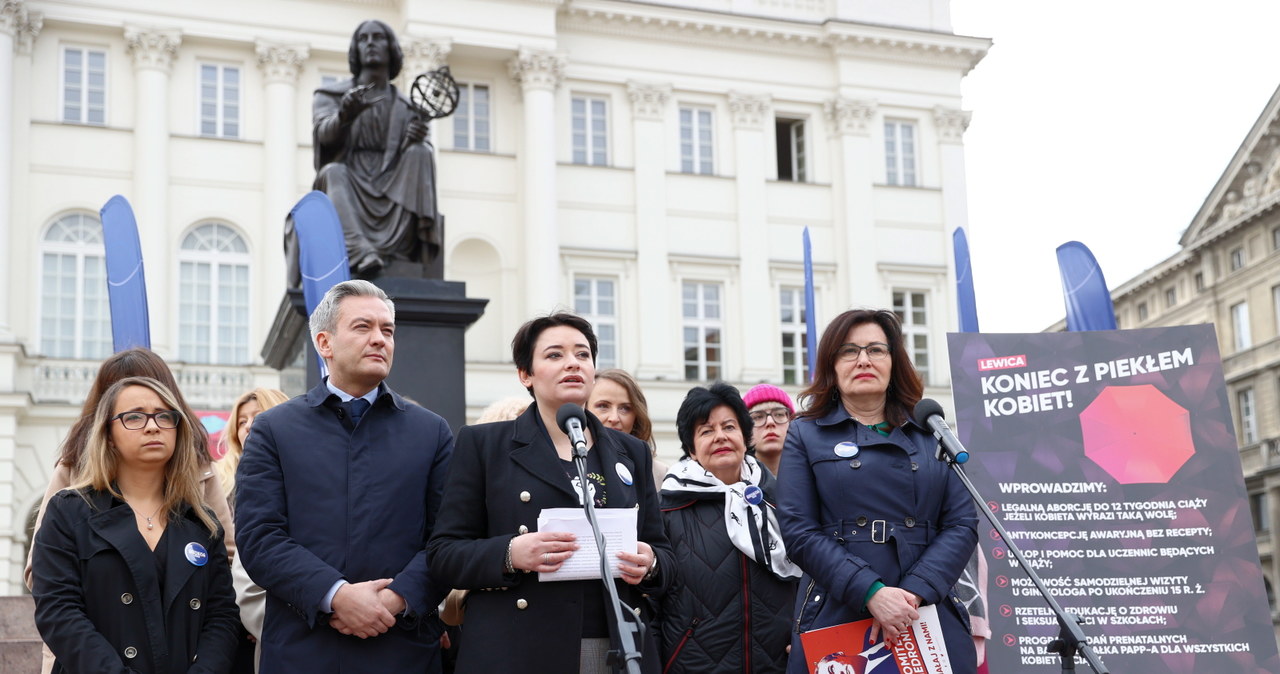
[
  {"x": 429, "y": 366},
  {"x": 19, "y": 640}
]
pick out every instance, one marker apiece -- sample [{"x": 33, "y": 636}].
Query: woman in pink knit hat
[{"x": 771, "y": 412}]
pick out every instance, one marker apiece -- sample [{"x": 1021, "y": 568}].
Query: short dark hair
[
  {"x": 527, "y": 337},
  {"x": 905, "y": 388},
  {"x": 698, "y": 404},
  {"x": 395, "y": 53}
]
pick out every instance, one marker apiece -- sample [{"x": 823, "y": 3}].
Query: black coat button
[
  {"x": 910, "y": 522},
  {"x": 856, "y": 463},
  {"x": 862, "y": 521}
]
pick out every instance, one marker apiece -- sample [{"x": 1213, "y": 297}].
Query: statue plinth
[{"x": 429, "y": 365}]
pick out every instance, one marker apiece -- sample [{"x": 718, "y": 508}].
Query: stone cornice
[
  {"x": 648, "y": 101},
  {"x": 152, "y": 48},
  {"x": 281, "y": 63},
  {"x": 536, "y": 69},
  {"x": 846, "y": 116},
  {"x": 951, "y": 123},
  {"x": 723, "y": 29},
  {"x": 748, "y": 110}
]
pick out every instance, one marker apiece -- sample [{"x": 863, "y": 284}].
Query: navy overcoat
[
  {"x": 318, "y": 500},
  {"x": 856, "y": 507}
]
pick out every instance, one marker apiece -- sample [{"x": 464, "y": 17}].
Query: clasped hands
[
  {"x": 365, "y": 609},
  {"x": 547, "y": 551},
  {"x": 893, "y": 610}
]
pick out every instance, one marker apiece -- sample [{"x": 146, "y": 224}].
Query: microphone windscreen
[
  {"x": 926, "y": 408},
  {"x": 569, "y": 411}
]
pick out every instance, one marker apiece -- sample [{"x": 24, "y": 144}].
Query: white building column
[
  {"x": 423, "y": 55},
  {"x": 18, "y": 28},
  {"x": 653, "y": 267},
  {"x": 849, "y": 124},
  {"x": 950, "y": 124},
  {"x": 750, "y": 112},
  {"x": 153, "y": 51},
  {"x": 539, "y": 74},
  {"x": 280, "y": 66}
]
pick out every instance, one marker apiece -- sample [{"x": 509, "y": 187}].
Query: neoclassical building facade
[
  {"x": 651, "y": 165},
  {"x": 1228, "y": 273}
]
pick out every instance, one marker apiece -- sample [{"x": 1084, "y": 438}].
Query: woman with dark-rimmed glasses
[{"x": 878, "y": 525}]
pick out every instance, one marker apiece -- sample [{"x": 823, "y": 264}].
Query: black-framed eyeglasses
[
  {"x": 136, "y": 421},
  {"x": 780, "y": 416},
  {"x": 874, "y": 351}
]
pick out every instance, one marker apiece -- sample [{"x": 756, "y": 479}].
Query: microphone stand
[
  {"x": 624, "y": 624},
  {"x": 1071, "y": 639}
]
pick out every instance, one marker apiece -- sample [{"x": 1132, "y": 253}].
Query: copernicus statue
[{"x": 374, "y": 161}]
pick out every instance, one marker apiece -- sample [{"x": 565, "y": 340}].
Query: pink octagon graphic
[{"x": 1137, "y": 434}]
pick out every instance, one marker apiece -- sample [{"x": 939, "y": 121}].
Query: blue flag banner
[
  {"x": 126, "y": 282},
  {"x": 965, "y": 299},
  {"x": 322, "y": 253},
  {"x": 1084, "y": 289},
  {"x": 810, "y": 321}
]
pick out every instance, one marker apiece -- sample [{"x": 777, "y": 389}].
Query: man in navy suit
[{"x": 336, "y": 498}]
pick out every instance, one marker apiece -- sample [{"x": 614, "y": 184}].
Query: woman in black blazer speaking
[
  {"x": 129, "y": 568},
  {"x": 503, "y": 475}
]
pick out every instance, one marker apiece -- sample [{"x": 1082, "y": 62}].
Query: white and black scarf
[{"x": 750, "y": 521}]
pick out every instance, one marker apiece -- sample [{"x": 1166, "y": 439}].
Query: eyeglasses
[
  {"x": 136, "y": 421},
  {"x": 874, "y": 351},
  {"x": 779, "y": 415}
]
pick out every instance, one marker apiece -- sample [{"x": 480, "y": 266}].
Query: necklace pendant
[{"x": 150, "y": 524}]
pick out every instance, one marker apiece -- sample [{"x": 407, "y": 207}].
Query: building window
[
  {"x": 1259, "y": 509},
  {"x": 596, "y": 299},
  {"x": 1248, "y": 417},
  {"x": 696, "y": 141},
  {"x": 1240, "y": 326},
  {"x": 1275, "y": 306},
  {"x": 1199, "y": 278},
  {"x": 792, "y": 154},
  {"x": 330, "y": 79},
  {"x": 900, "y": 153},
  {"x": 75, "y": 317},
  {"x": 795, "y": 355},
  {"x": 1143, "y": 312},
  {"x": 703, "y": 359},
  {"x": 1275, "y": 238},
  {"x": 1170, "y": 296},
  {"x": 471, "y": 119},
  {"x": 1237, "y": 258},
  {"x": 84, "y": 86},
  {"x": 590, "y": 131},
  {"x": 219, "y": 101},
  {"x": 213, "y": 296},
  {"x": 912, "y": 311}
]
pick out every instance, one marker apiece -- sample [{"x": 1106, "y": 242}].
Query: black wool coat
[
  {"x": 503, "y": 475},
  {"x": 99, "y": 606}
]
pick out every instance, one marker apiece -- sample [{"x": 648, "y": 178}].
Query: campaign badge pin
[
  {"x": 196, "y": 554},
  {"x": 754, "y": 495},
  {"x": 623, "y": 473},
  {"x": 846, "y": 450}
]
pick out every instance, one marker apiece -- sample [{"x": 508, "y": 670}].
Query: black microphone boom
[
  {"x": 571, "y": 419},
  {"x": 928, "y": 413}
]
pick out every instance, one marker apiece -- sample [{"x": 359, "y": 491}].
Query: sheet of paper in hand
[
  {"x": 848, "y": 649},
  {"x": 618, "y": 526}
]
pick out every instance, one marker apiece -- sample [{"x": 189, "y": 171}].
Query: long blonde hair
[
  {"x": 99, "y": 464},
  {"x": 226, "y": 466}
]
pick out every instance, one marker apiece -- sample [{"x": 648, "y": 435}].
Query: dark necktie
[{"x": 358, "y": 407}]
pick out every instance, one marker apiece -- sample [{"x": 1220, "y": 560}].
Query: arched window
[
  {"x": 213, "y": 299},
  {"x": 75, "y": 318}
]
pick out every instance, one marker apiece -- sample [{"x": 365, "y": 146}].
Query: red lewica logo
[{"x": 1001, "y": 362}]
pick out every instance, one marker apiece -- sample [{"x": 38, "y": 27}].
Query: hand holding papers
[{"x": 618, "y": 526}]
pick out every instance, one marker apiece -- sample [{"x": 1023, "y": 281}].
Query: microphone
[
  {"x": 571, "y": 419},
  {"x": 928, "y": 413}
]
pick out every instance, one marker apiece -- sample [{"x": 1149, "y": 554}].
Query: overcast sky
[{"x": 1102, "y": 121}]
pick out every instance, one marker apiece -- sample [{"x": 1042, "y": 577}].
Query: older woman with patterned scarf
[{"x": 730, "y": 608}]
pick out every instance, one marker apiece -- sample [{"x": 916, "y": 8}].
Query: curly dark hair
[
  {"x": 698, "y": 404},
  {"x": 905, "y": 388}
]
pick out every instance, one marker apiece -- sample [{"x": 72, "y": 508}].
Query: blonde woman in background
[
  {"x": 620, "y": 404},
  {"x": 250, "y": 597}
]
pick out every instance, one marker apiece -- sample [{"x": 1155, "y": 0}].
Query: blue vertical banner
[
  {"x": 322, "y": 252},
  {"x": 1084, "y": 289},
  {"x": 126, "y": 280},
  {"x": 810, "y": 321},
  {"x": 966, "y": 301}
]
